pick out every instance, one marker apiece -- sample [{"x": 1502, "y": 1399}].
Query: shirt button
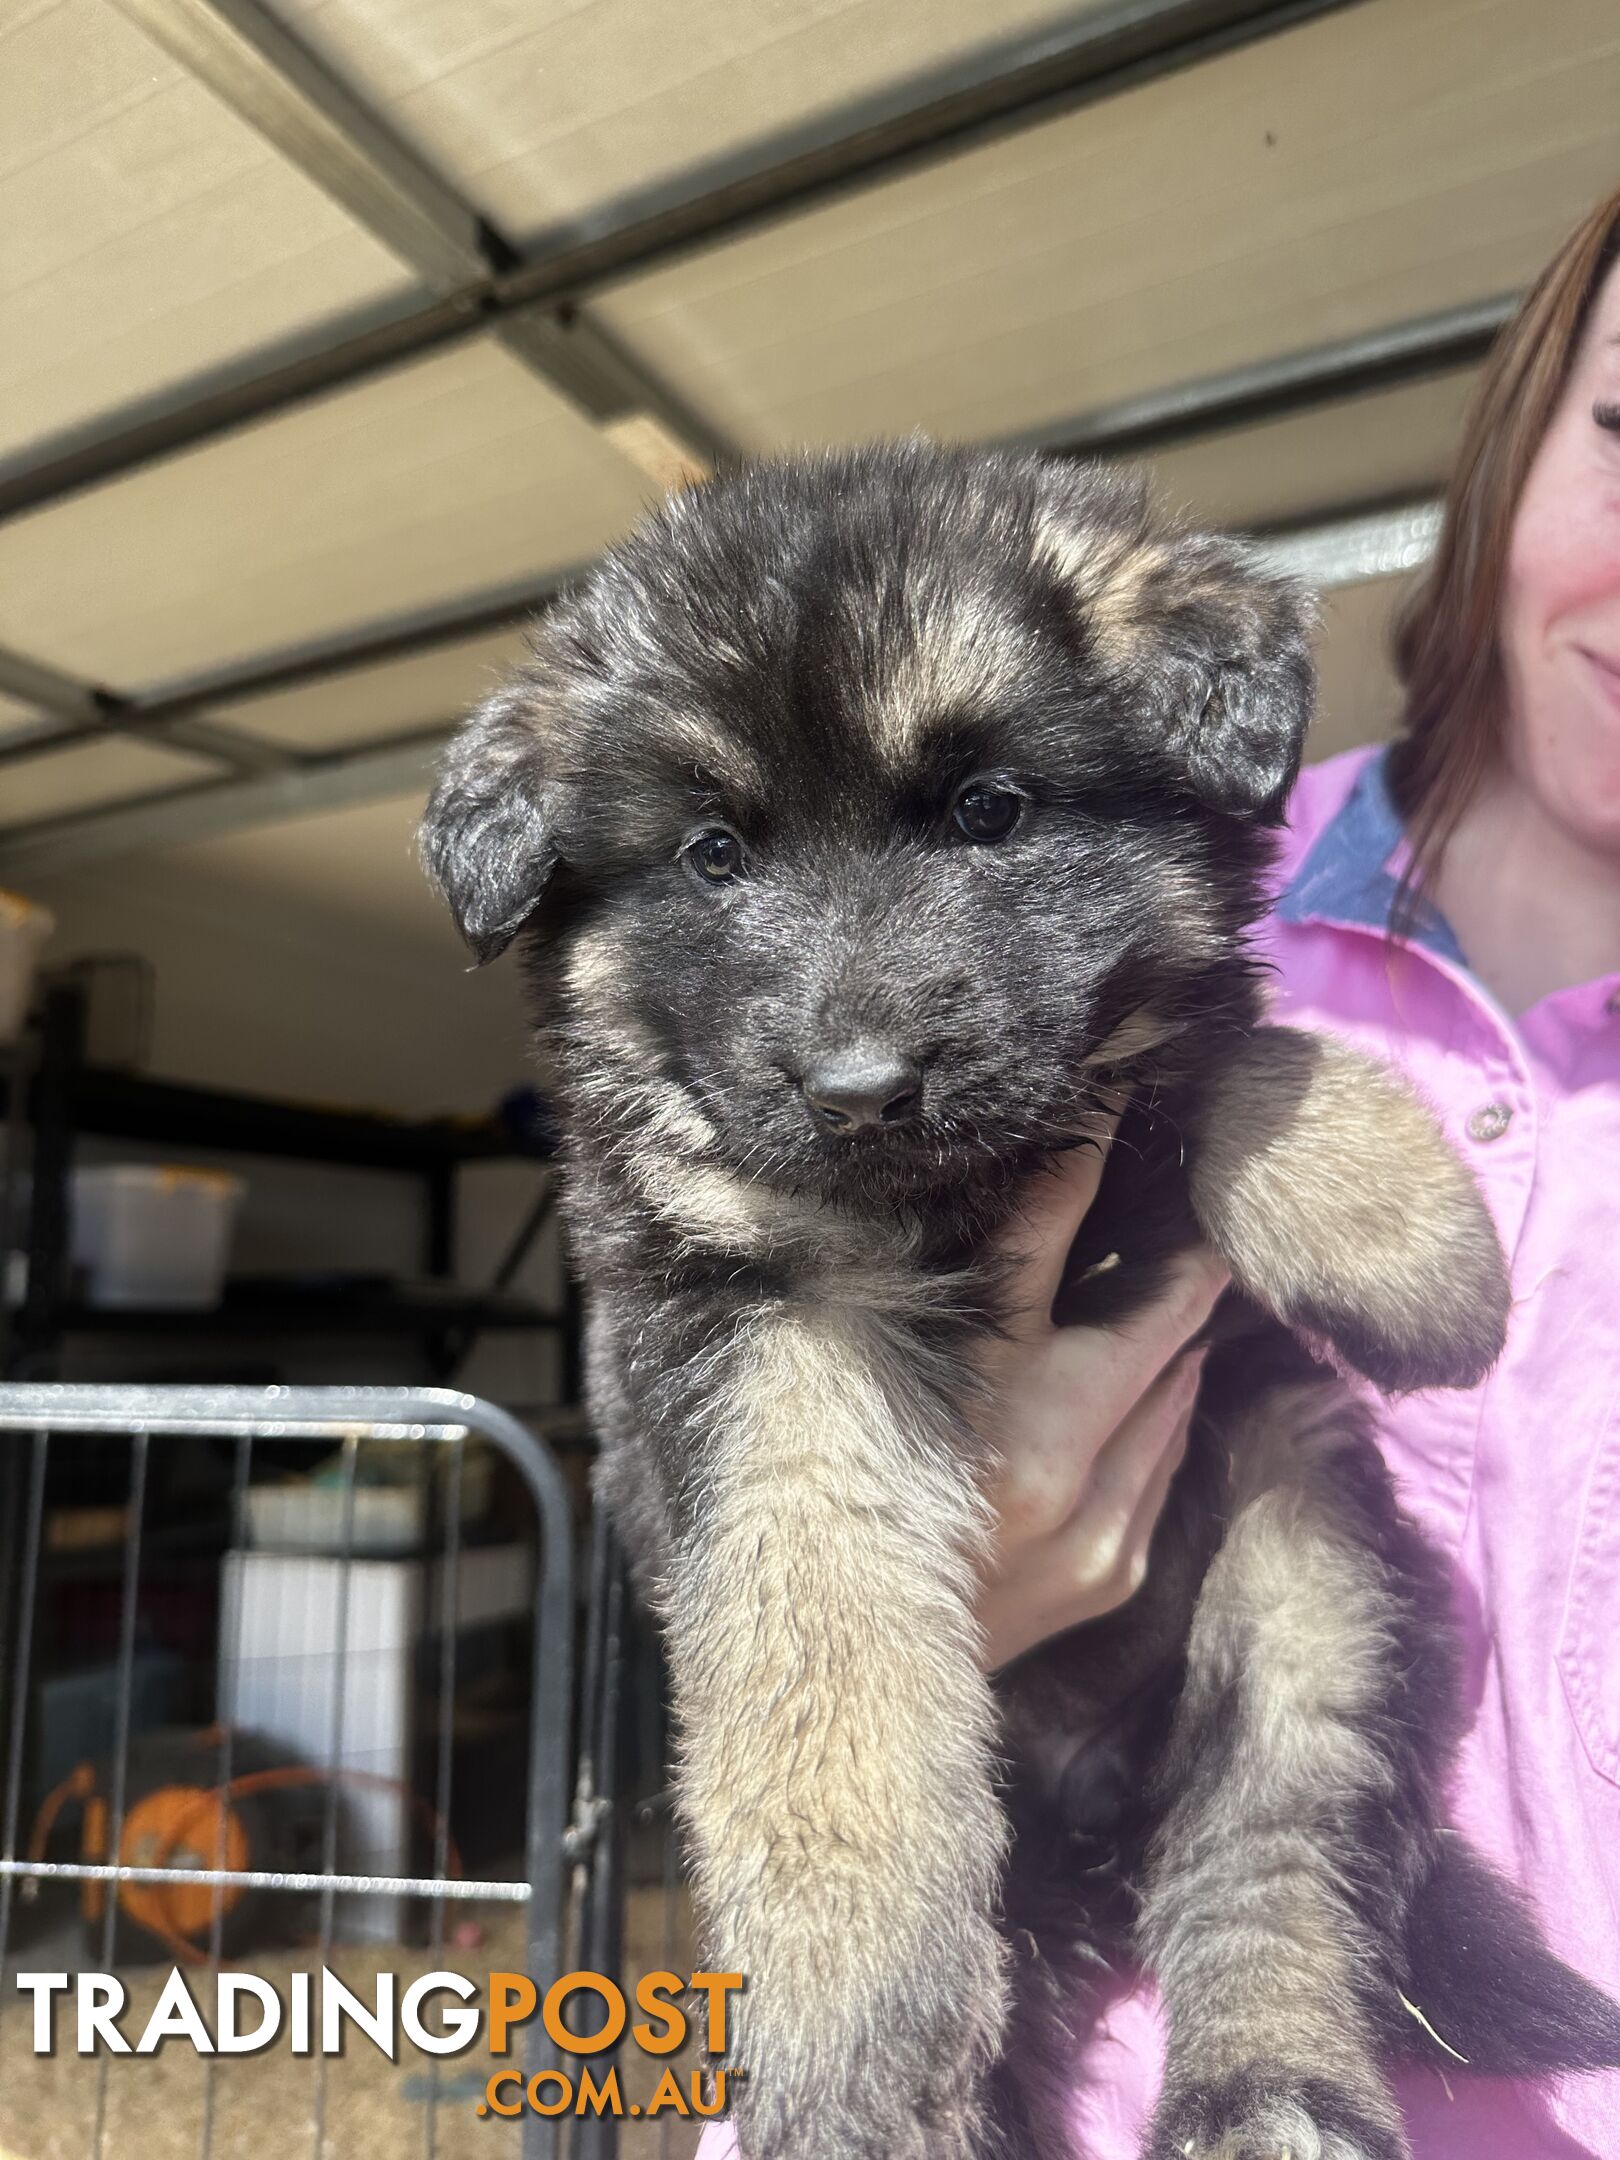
[{"x": 1490, "y": 1122}]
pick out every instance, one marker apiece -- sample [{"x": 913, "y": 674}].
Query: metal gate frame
[{"x": 323, "y": 1416}]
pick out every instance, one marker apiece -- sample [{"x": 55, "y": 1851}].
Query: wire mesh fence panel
[
  {"x": 257, "y": 1907},
  {"x": 634, "y": 1914}
]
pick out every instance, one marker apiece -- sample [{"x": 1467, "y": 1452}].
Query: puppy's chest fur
[
  {"x": 697, "y": 1273},
  {"x": 761, "y": 1337}
]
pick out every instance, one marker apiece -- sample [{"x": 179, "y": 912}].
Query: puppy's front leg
[
  {"x": 1326, "y": 1184},
  {"x": 834, "y": 1773}
]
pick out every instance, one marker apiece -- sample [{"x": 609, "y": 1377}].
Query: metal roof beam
[
  {"x": 81, "y": 712},
  {"x": 1398, "y": 353},
  {"x": 1244, "y": 397},
  {"x": 373, "y": 644},
  {"x": 35, "y": 682},
  {"x": 1355, "y": 550},
  {"x": 1102, "y": 52},
  {"x": 257, "y": 67},
  {"x": 1339, "y": 552},
  {"x": 209, "y": 808},
  {"x": 173, "y": 712},
  {"x": 261, "y": 71},
  {"x": 1266, "y": 390}
]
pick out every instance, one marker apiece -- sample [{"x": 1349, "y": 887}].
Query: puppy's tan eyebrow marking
[
  {"x": 963, "y": 657},
  {"x": 594, "y": 966},
  {"x": 708, "y": 766}
]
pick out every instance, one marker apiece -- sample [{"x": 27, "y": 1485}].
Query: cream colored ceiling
[
  {"x": 145, "y": 232},
  {"x": 378, "y": 701},
  {"x": 457, "y": 473},
  {"x": 358, "y": 862},
  {"x": 1386, "y": 160},
  {"x": 545, "y": 109},
  {"x": 1386, "y": 446},
  {"x": 109, "y": 770},
  {"x": 1357, "y": 696},
  {"x": 1394, "y": 157}
]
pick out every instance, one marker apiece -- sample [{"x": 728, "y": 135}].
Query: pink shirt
[{"x": 1518, "y": 1482}]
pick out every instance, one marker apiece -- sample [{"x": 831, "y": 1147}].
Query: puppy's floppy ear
[
  {"x": 1230, "y": 641},
  {"x": 1210, "y": 647},
  {"x": 485, "y": 836}
]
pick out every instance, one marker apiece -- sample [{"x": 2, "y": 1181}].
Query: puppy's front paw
[
  {"x": 1267, "y": 2112},
  {"x": 1327, "y": 1186},
  {"x": 893, "y": 2071}
]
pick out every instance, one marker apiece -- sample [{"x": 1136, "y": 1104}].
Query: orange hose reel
[{"x": 177, "y": 1814}]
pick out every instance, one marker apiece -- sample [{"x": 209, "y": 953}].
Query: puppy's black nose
[{"x": 870, "y": 1083}]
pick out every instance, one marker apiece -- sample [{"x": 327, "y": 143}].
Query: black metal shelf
[
  {"x": 128, "y": 1106},
  {"x": 278, "y": 1308},
  {"x": 63, "y": 1099}
]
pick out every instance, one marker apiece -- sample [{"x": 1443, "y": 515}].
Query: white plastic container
[
  {"x": 389, "y": 1515},
  {"x": 154, "y": 1234},
  {"x": 24, "y": 927}
]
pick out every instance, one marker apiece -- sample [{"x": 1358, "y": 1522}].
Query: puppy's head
[{"x": 860, "y": 809}]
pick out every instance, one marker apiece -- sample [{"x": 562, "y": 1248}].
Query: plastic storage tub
[
  {"x": 393, "y": 1511},
  {"x": 23, "y": 930},
  {"x": 153, "y": 1234}
]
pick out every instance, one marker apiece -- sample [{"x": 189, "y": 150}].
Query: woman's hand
[{"x": 1088, "y": 1425}]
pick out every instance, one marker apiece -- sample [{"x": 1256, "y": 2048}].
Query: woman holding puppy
[{"x": 1451, "y": 904}]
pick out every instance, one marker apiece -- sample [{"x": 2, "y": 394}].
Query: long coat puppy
[{"x": 866, "y": 821}]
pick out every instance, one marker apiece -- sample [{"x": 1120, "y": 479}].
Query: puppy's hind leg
[
  {"x": 834, "y": 1766},
  {"x": 1283, "y": 1759}
]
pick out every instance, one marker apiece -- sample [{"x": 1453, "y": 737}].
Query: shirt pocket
[{"x": 1589, "y": 1640}]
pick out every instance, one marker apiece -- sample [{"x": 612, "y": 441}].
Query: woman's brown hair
[{"x": 1446, "y": 651}]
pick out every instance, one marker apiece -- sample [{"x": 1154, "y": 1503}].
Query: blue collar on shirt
[{"x": 1346, "y": 878}]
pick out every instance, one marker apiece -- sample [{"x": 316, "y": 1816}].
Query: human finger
[
  {"x": 1134, "y": 1455},
  {"x": 1077, "y": 1480},
  {"x": 1051, "y": 1209},
  {"x": 1111, "y": 1367},
  {"x": 1135, "y": 1545}
]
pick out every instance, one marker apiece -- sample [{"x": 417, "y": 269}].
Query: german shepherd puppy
[{"x": 867, "y": 820}]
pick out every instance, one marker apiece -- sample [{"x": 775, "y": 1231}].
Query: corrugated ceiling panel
[
  {"x": 1385, "y": 447},
  {"x": 357, "y": 862},
  {"x": 1384, "y": 161},
  {"x": 98, "y": 772},
  {"x": 146, "y": 234},
  {"x": 13, "y": 715},
  {"x": 542, "y": 109},
  {"x": 381, "y": 700},
  {"x": 456, "y": 474}
]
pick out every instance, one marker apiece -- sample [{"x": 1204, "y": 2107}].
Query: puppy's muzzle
[{"x": 868, "y": 1084}]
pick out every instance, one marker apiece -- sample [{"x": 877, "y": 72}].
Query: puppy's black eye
[
  {"x": 717, "y": 857},
  {"x": 986, "y": 813}
]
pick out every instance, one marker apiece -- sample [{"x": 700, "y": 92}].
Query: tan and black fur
[{"x": 958, "y": 770}]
